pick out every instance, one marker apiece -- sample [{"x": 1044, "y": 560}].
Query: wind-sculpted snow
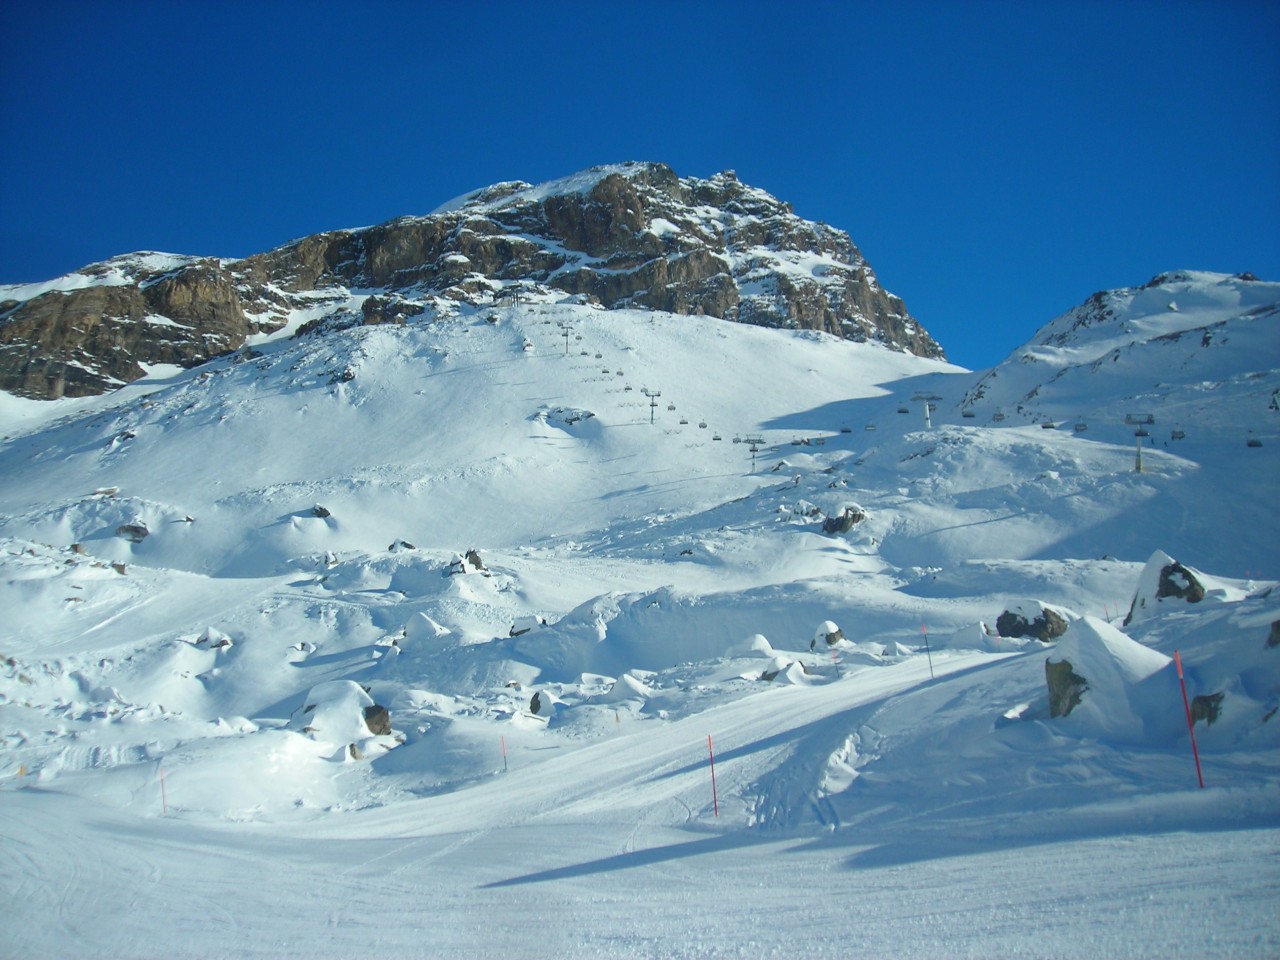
[{"x": 569, "y": 600}]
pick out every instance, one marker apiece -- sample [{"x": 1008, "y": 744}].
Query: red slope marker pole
[
  {"x": 1186, "y": 705},
  {"x": 164, "y": 804},
  {"x": 927, "y": 652},
  {"x": 504, "y": 754},
  {"x": 715, "y": 801}
]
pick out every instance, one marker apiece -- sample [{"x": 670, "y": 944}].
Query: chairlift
[
  {"x": 670, "y": 407},
  {"x": 702, "y": 424},
  {"x": 846, "y": 430},
  {"x": 869, "y": 426},
  {"x": 997, "y": 417},
  {"x": 619, "y": 373},
  {"x": 585, "y": 354},
  {"x": 1048, "y": 425},
  {"x": 968, "y": 414},
  {"x": 1141, "y": 432},
  {"x": 904, "y": 409},
  {"x": 1253, "y": 442},
  {"x": 1081, "y": 427},
  {"x": 737, "y": 439},
  {"x": 599, "y": 356},
  {"x": 716, "y": 437},
  {"x": 1178, "y": 435},
  {"x": 627, "y": 388},
  {"x": 684, "y": 421}
]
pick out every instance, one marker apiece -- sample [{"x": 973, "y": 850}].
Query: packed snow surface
[{"x": 566, "y": 595}]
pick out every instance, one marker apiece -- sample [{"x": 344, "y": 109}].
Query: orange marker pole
[
  {"x": 1186, "y": 705},
  {"x": 715, "y": 801}
]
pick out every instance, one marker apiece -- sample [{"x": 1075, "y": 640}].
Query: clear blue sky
[{"x": 996, "y": 162}]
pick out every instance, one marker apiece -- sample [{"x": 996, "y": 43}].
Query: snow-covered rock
[{"x": 1105, "y": 684}]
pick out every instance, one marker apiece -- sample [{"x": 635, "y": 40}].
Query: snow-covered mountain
[
  {"x": 454, "y": 611},
  {"x": 623, "y": 236}
]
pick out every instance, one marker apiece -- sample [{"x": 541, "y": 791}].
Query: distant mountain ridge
[
  {"x": 631, "y": 235},
  {"x": 1203, "y": 337}
]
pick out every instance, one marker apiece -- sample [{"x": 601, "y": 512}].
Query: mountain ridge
[{"x": 631, "y": 235}]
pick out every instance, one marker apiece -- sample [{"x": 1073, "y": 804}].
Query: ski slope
[{"x": 209, "y": 574}]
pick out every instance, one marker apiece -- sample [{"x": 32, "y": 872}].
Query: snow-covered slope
[{"x": 566, "y": 590}]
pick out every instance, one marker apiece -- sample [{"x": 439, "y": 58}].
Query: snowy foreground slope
[{"x": 212, "y": 579}]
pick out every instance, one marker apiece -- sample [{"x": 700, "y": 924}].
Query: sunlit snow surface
[{"x": 902, "y": 791}]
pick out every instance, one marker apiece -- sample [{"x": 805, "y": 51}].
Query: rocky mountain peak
[{"x": 631, "y": 235}]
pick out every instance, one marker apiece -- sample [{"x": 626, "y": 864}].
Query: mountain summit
[{"x": 631, "y": 235}]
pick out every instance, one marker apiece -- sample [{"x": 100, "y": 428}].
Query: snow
[
  {"x": 178, "y": 713},
  {"x": 118, "y": 271}
]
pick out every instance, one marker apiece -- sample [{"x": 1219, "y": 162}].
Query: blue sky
[{"x": 996, "y": 162}]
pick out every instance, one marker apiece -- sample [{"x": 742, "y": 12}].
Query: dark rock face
[
  {"x": 133, "y": 532},
  {"x": 1050, "y": 625},
  {"x": 1065, "y": 687},
  {"x": 1206, "y": 707},
  {"x": 378, "y": 719},
  {"x": 1177, "y": 581},
  {"x": 631, "y": 236},
  {"x": 844, "y": 521}
]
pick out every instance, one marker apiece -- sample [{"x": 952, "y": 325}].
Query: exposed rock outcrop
[
  {"x": 1032, "y": 619},
  {"x": 632, "y": 235}
]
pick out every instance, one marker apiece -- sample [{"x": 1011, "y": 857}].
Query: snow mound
[
  {"x": 626, "y": 687},
  {"x": 335, "y": 714}
]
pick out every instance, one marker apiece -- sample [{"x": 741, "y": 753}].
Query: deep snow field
[{"x": 209, "y": 575}]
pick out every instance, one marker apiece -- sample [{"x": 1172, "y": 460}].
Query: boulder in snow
[
  {"x": 469, "y": 562},
  {"x": 134, "y": 532},
  {"x": 524, "y": 624},
  {"x": 215, "y": 639},
  {"x": 543, "y": 704},
  {"x": 339, "y": 714},
  {"x": 378, "y": 719},
  {"x": 1109, "y": 685},
  {"x": 1163, "y": 578},
  {"x": 1031, "y": 618},
  {"x": 828, "y": 633},
  {"x": 845, "y": 520}
]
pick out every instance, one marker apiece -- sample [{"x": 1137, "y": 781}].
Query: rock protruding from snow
[
  {"x": 543, "y": 704},
  {"x": 1163, "y": 578},
  {"x": 337, "y": 714},
  {"x": 134, "y": 532},
  {"x": 845, "y": 520},
  {"x": 1035, "y": 620},
  {"x": 523, "y": 625},
  {"x": 378, "y": 719},
  {"x": 1109, "y": 685},
  {"x": 827, "y": 635}
]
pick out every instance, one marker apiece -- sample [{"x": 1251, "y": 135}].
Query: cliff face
[{"x": 633, "y": 235}]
